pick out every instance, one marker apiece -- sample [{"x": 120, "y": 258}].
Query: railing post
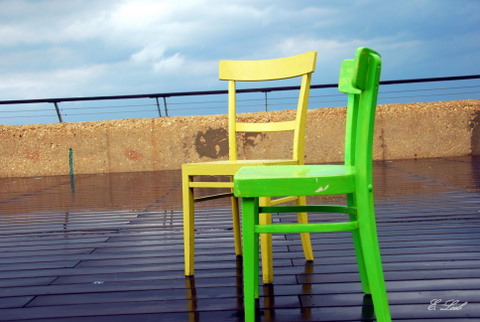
[
  {"x": 158, "y": 107},
  {"x": 58, "y": 112},
  {"x": 266, "y": 101},
  {"x": 165, "y": 105}
]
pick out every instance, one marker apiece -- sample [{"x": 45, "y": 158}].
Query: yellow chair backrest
[{"x": 233, "y": 71}]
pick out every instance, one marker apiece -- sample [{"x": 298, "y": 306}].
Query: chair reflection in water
[
  {"x": 205, "y": 174},
  {"x": 359, "y": 79}
]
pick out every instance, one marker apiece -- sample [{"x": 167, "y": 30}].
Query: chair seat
[{"x": 301, "y": 180}]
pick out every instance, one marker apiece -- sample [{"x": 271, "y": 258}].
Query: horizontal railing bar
[
  {"x": 428, "y": 80},
  {"x": 219, "y": 92}
]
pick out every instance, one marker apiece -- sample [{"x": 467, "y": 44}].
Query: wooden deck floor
[{"x": 109, "y": 248}]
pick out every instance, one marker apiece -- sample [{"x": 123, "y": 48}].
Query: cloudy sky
[{"x": 60, "y": 48}]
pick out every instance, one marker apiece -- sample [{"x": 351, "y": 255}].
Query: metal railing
[{"x": 96, "y": 108}]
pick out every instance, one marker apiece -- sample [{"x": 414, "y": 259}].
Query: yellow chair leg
[
  {"x": 188, "y": 225},
  {"x": 237, "y": 238},
  {"x": 305, "y": 237},
  {"x": 266, "y": 245}
]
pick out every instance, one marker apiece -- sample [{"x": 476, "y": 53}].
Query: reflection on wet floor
[{"x": 109, "y": 247}]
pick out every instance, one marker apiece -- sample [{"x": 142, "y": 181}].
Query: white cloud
[
  {"x": 148, "y": 54},
  {"x": 169, "y": 64},
  {"x": 140, "y": 14},
  {"x": 52, "y": 21},
  {"x": 57, "y": 83},
  {"x": 154, "y": 56}
]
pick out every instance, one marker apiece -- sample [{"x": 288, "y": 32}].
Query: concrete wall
[{"x": 403, "y": 131}]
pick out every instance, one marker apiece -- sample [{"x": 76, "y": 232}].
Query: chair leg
[
  {"x": 237, "y": 238},
  {"x": 250, "y": 256},
  {"x": 376, "y": 279},
  {"x": 188, "y": 224},
  {"x": 372, "y": 259},
  {"x": 305, "y": 237},
  {"x": 362, "y": 270},
  {"x": 358, "y": 247},
  {"x": 266, "y": 245}
]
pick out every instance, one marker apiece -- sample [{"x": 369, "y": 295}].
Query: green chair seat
[{"x": 280, "y": 181}]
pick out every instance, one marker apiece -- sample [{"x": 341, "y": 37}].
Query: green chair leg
[
  {"x": 250, "y": 256},
  {"x": 371, "y": 259},
  {"x": 376, "y": 280}
]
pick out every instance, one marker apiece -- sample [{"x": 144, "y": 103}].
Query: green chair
[{"x": 359, "y": 78}]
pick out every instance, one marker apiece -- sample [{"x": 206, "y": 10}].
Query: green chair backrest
[{"x": 359, "y": 78}]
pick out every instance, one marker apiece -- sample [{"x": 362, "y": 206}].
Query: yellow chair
[{"x": 239, "y": 71}]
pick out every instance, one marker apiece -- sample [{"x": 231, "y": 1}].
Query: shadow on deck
[{"x": 109, "y": 248}]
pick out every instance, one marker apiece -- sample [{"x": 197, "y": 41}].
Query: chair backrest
[
  {"x": 268, "y": 70},
  {"x": 359, "y": 78}
]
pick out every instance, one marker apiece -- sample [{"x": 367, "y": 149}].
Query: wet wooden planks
[{"x": 126, "y": 263}]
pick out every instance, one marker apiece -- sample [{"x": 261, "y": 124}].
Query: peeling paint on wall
[{"x": 212, "y": 143}]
